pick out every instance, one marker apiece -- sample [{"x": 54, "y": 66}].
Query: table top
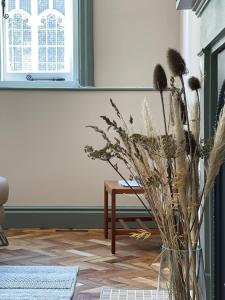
[{"x": 114, "y": 186}]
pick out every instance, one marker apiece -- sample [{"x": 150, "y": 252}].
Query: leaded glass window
[
  {"x": 38, "y": 36},
  {"x": 19, "y": 40},
  {"x": 51, "y": 52}
]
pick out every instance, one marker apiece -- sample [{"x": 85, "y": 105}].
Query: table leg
[
  {"x": 106, "y": 217},
  {"x": 113, "y": 224}
]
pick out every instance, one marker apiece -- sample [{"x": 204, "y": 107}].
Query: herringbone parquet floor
[{"x": 134, "y": 265}]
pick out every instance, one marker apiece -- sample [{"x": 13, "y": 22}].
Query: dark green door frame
[{"x": 209, "y": 117}]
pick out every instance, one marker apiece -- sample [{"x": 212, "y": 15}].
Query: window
[{"x": 39, "y": 41}]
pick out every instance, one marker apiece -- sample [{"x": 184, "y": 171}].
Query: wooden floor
[{"x": 135, "y": 264}]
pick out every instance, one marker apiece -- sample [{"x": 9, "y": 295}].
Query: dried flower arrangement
[{"x": 168, "y": 168}]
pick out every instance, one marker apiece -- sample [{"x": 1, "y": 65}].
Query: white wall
[
  {"x": 42, "y": 133},
  {"x": 191, "y": 45},
  {"x": 42, "y": 139},
  {"x": 131, "y": 37},
  {"x": 191, "y": 40}
]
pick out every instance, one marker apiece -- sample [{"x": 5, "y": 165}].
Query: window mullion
[
  {"x": 34, "y": 22},
  {"x": 51, "y": 4},
  {"x": 67, "y": 36},
  {"x": 17, "y": 4}
]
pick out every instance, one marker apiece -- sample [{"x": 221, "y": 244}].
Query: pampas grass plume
[
  {"x": 194, "y": 83},
  {"x": 221, "y": 100},
  {"x": 176, "y": 63},
  {"x": 217, "y": 153},
  {"x": 195, "y": 120},
  {"x": 149, "y": 127},
  {"x": 159, "y": 78}
]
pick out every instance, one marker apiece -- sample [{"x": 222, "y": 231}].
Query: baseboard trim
[{"x": 62, "y": 217}]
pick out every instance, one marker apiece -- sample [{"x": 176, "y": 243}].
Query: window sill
[
  {"x": 65, "y": 86},
  {"x": 37, "y": 85}
]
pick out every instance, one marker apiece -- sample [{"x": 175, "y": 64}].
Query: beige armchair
[{"x": 4, "y": 194}]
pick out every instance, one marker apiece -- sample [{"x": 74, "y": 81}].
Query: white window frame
[{"x": 19, "y": 79}]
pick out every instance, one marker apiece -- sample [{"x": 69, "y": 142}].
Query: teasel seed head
[
  {"x": 183, "y": 112},
  {"x": 176, "y": 63},
  {"x": 194, "y": 149},
  {"x": 159, "y": 78},
  {"x": 194, "y": 83}
]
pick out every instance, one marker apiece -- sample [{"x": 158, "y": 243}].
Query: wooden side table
[{"x": 114, "y": 188}]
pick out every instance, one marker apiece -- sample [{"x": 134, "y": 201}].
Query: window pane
[
  {"x": 60, "y": 37},
  {"x": 60, "y": 67},
  {"x": 18, "y": 67},
  {"x": 42, "y": 54},
  {"x": 27, "y": 67},
  {"x": 51, "y": 54},
  {"x": 26, "y": 24},
  {"x": 43, "y": 23},
  {"x": 11, "y": 5},
  {"x": 59, "y": 23},
  {"x": 26, "y": 5},
  {"x": 17, "y": 21},
  {"x": 27, "y": 54},
  {"x": 17, "y": 54},
  {"x": 42, "y": 37},
  {"x": 60, "y": 54},
  {"x": 10, "y": 23},
  {"x": 51, "y": 21},
  {"x": 51, "y": 40},
  {"x": 42, "y": 5},
  {"x": 10, "y": 37},
  {"x": 17, "y": 37},
  {"x": 42, "y": 67},
  {"x": 51, "y": 67},
  {"x": 10, "y": 54},
  {"x": 60, "y": 6},
  {"x": 27, "y": 37}
]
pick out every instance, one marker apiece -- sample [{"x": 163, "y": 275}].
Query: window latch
[
  {"x": 31, "y": 78},
  {"x": 5, "y": 16}
]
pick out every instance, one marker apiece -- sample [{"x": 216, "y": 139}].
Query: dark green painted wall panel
[
  {"x": 212, "y": 25},
  {"x": 63, "y": 217},
  {"x": 212, "y": 21},
  {"x": 86, "y": 43}
]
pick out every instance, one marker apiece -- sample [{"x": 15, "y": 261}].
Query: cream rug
[{"x": 37, "y": 282}]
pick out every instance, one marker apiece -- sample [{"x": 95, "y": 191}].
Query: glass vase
[{"x": 181, "y": 275}]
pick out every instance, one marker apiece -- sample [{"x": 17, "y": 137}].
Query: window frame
[
  {"x": 86, "y": 43},
  {"x": 83, "y": 58}
]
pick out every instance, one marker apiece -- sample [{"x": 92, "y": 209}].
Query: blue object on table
[{"x": 132, "y": 182}]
